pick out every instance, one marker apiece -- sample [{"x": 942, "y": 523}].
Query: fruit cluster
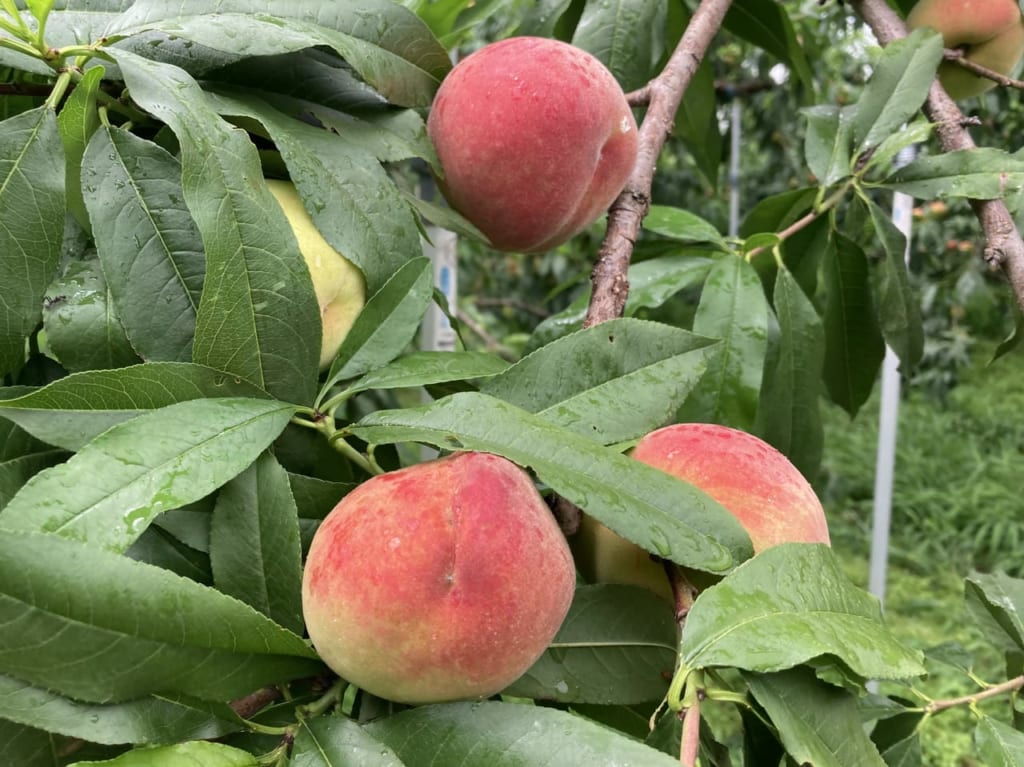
[{"x": 448, "y": 579}]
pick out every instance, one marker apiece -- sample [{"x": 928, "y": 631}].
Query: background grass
[{"x": 956, "y": 507}]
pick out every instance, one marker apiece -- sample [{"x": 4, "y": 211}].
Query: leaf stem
[
  {"x": 337, "y": 441},
  {"x": 324, "y": 702},
  {"x": 20, "y": 47},
  {"x": 335, "y": 402},
  {"x": 266, "y": 729},
  {"x": 59, "y": 89}
]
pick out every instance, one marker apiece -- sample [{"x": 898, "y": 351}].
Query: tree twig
[
  {"x": 958, "y": 56},
  {"x": 995, "y": 690},
  {"x": 663, "y": 96},
  {"x": 512, "y": 303},
  {"x": 1004, "y": 247}
]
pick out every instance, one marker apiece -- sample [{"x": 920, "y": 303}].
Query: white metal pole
[
  {"x": 734, "y": 167},
  {"x": 437, "y": 333},
  {"x": 885, "y": 460}
]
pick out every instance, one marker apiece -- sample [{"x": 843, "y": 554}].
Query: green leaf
[
  {"x": 660, "y": 513},
  {"x": 75, "y": 409},
  {"x": 614, "y": 646},
  {"x": 651, "y": 284},
  {"x": 899, "y": 310},
  {"x": 733, "y": 307},
  {"x": 917, "y": 132},
  {"x": 854, "y": 348},
  {"x": 39, "y": 9},
  {"x": 581, "y": 381},
  {"x": 452, "y": 22},
  {"x": 773, "y": 214},
  {"x": 789, "y": 415},
  {"x": 999, "y": 744},
  {"x": 997, "y": 603},
  {"x": 788, "y": 605},
  {"x": 979, "y": 174},
  {"x": 427, "y": 368},
  {"x": 258, "y": 317},
  {"x": 111, "y": 490},
  {"x": 158, "y": 547},
  {"x": 153, "y": 719},
  {"x": 148, "y": 244},
  {"x": 351, "y": 199},
  {"x": 303, "y": 85},
  {"x": 337, "y": 741},
  {"x": 697, "y": 122},
  {"x": 254, "y": 543},
  {"x": 252, "y": 33},
  {"x": 77, "y": 121},
  {"x": 827, "y": 144},
  {"x": 15, "y": 472},
  {"x": 767, "y": 25},
  {"x": 897, "y": 88},
  {"x": 32, "y": 203},
  {"x": 386, "y": 325},
  {"x": 15, "y": 442},
  {"x": 385, "y": 24},
  {"x": 509, "y": 734},
  {"x": 180, "y": 755},
  {"x": 314, "y": 498},
  {"x": 83, "y": 329},
  {"x": 681, "y": 225},
  {"x": 26, "y": 746},
  {"x": 540, "y": 18},
  {"x": 628, "y": 37},
  {"x": 99, "y": 627},
  {"x": 817, "y": 723}
]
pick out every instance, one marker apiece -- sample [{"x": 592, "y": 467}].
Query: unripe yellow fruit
[{"x": 339, "y": 284}]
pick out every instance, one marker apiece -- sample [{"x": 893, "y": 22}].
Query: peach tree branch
[
  {"x": 958, "y": 56},
  {"x": 663, "y": 95},
  {"x": 1009, "y": 686},
  {"x": 1004, "y": 247}
]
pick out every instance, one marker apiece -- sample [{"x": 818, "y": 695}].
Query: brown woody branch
[
  {"x": 1009, "y": 686},
  {"x": 663, "y": 95},
  {"x": 1004, "y": 247},
  {"x": 958, "y": 56}
]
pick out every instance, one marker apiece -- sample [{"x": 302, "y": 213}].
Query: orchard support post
[{"x": 885, "y": 460}]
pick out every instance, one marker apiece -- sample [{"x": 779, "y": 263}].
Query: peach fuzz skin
[
  {"x": 751, "y": 479},
  {"x": 442, "y": 581},
  {"x": 746, "y": 475},
  {"x": 536, "y": 140},
  {"x": 991, "y": 31}
]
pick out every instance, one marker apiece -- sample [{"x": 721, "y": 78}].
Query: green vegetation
[{"x": 956, "y": 507}]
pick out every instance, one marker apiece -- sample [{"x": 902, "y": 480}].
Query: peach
[
  {"x": 747, "y": 476},
  {"x": 338, "y": 283},
  {"x": 442, "y": 581},
  {"x": 536, "y": 140},
  {"x": 990, "y": 31}
]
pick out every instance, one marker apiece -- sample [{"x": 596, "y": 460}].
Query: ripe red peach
[
  {"x": 747, "y": 476},
  {"x": 535, "y": 139},
  {"x": 442, "y": 581},
  {"x": 990, "y": 31}
]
